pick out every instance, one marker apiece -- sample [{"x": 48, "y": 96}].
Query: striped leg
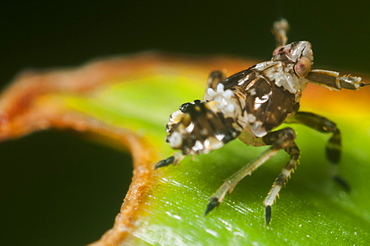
[
  {"x": 282, "y": 139},
  {"x": 333, "y": 146},
  {"x": 293, "y": 152}
]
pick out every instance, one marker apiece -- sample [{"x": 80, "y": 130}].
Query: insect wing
[{"x": 266, "y": 104}]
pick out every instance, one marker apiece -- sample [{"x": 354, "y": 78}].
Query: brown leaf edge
[{"x": 24, "y": 108}]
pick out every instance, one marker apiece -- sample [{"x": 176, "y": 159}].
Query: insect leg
[
  {"x": 333, "y": 80},
  {"x": 293, "y": 152},
  {"x": 280, "y": 30},
  {"x": 333, "y": 146},
  {"x": 281, "y": 139},
  {"x": 176, "y": 158},
  {"x": 215, "y": 78}
]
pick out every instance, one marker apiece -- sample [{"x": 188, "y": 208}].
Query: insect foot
[
  {"x": 176, "y": 158},
  {"x": 211, "y": 205},
  {"x": 165, "y": 162}
]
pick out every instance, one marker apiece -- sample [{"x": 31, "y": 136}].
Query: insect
[{"x": 250, "y": 105}]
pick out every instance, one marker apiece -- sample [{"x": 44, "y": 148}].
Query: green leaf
[
  {"x": 312, "y": 209},
  {"x": 169, "y": 207}
]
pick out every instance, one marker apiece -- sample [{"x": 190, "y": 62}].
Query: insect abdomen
[{"x": 199, "y": 127}]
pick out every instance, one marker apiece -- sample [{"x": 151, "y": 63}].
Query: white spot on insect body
[
  {"x": 287, "y": 81},
  {"x": 257, "y": 129},
  {"x": 252, "y": 92},
  {"x": 228, "y": 94},
  {"x": 264, "y": 65},
  {"x": 261, "y": 100},
  {"x": 175, "y": 140},
  {"x": 212, "y": 143},
  {"x": 243, "y": 80},
  {"x": 175, "y": 118},
  {"x": 198, "y": 146},
  {"x": 230, "y": 108},
  {"x": 221, "y": 100},
  {"x": 211, "y": 92},
  {"x": 220, "y": 87},
  {"x": 219, "y": 136},
  {"x": 190, "y": 127}
]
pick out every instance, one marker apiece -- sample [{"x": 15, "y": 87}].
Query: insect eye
[{"x": 302, "y": 67}]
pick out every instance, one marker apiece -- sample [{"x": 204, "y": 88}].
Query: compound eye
[{"x": 303, "y": 67}]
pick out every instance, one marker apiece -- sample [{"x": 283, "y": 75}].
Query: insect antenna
[{"x": 280, "y": 27}]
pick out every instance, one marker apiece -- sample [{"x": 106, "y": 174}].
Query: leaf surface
[{"x": 126, "y": 102}]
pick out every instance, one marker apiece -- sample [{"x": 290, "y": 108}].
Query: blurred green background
[{"x": 69, "y": 190}]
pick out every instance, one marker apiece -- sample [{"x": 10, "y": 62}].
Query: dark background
[{"x": 67, "y": 191}]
